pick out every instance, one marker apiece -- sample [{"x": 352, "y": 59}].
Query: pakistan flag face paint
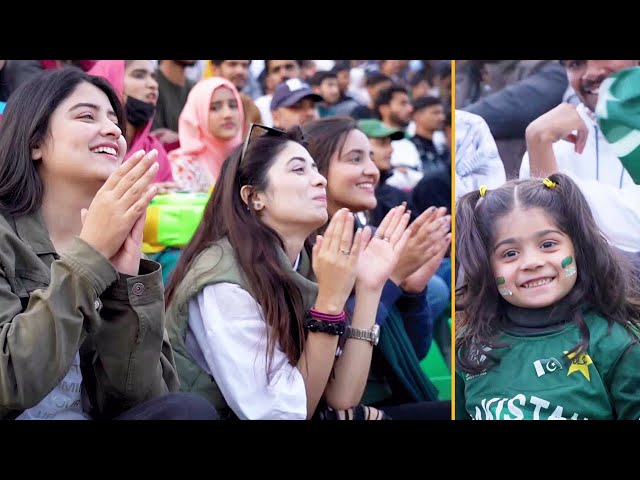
[
  {"x": 568, "y": 266},
  {"x": 504, "y": 291}
]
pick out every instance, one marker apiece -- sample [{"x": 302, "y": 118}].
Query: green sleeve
[
  {"x": 461, "y": 411},
  {"x": 133, "y": 361},
  {"x": 38, "y": 344},
  {"x": 624, "y": 384}
]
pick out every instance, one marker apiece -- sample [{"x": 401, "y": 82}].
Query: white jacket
[
  {"x": 613, "y": 197},
  {"x": 478, "y": 161}
]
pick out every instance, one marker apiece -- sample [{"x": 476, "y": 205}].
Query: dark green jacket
[
  {"x": 217, "y": 264},
  {"x": 52, "y": 306}
]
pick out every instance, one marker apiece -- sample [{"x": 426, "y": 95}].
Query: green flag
[{"x": 618, "y": 112}]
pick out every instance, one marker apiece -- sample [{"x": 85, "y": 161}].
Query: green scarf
[{"x": 398, "y": 351}]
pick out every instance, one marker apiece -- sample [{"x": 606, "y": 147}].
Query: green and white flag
[{"x": 618, "y": 112}]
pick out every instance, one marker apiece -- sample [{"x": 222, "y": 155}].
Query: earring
[
  {"x": 568, "y": 266},
  {"x": 503, "y": 290},
  {"x": 257, "y": 206}
]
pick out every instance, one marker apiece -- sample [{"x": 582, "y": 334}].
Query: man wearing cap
[
  {"x": 567, "y": 139},
  {"x": 293, "y": 103},
  {"x": 387, "y": 196},
  {"x": 275, "y": 72}
]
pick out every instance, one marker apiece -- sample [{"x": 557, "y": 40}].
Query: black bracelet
[{"x": 332, "y": 328}]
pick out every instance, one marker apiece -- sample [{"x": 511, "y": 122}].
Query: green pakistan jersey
[{"x": 534, "y": 379}]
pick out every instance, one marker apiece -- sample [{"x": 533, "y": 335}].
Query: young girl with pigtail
[{"x": 548, "y": 313}]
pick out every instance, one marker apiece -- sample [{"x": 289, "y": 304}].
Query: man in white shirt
[
  {"x": 395, "y": 110},
  {"x": 567, "y": 139}
]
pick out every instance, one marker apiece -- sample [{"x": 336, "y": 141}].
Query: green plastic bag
[{"x": 172, "y": 219}]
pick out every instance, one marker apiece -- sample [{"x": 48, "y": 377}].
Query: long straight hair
[
  {"x": 26, "y": 124},
  {"x": 604, "y": 281},
  {"x": 254, "y": 243}
]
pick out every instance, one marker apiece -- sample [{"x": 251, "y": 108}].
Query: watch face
[{"x": 375, "y": 333}]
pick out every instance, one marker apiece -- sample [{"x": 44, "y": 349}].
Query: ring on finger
[
  {"x": 386, "y": 239},
  {"x": 377, "y": 235},
  {"x": 345, "y": 252}
]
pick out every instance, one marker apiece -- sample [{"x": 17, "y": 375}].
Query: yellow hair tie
[
  {"x": 483, "y": 191},
  {"x": 549, "y": 183}
]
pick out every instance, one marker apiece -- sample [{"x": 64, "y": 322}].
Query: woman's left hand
[
  {"x": 381, "y": 254},
  {"x": 429, "y": 241},
  {"x": 417, "y": 281},
  {"x": 127, "y": 259}
]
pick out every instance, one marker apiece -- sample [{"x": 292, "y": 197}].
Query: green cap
[
  {"x": 374, "y": 128},
  {"x": 618, "y": 112}
]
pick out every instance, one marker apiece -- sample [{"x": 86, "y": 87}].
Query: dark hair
[
  {"x": 320, "y": 76},
  {"x": 420, "y": 76},
  {"x": 266, "y": 65},
  {"x": 385, "y": 96},
  {"x": 254, "y": 243},
  {"x": 217, "y": 63},
  {"x": 443, "y": 70},
  {"x": 375, "y": 77},
  {"x": 447, "y": 117},
  {"x": 25, "y": 125},
  {"x": 604, "y": 280},
  {"x": 326, "y": 136},
  {"x": 341, "y": 66},
  {"x": 425, "y": 102}
]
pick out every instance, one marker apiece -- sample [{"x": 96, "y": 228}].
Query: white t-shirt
[
  {"x": 264, "y": 105},
  {"x": 63, "y": 402},
  {"x": 406, "y": 163}
]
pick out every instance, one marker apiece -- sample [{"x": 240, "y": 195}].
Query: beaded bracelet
[
  {"x": 327, "y": 317},
  {"x": 332, "y": 328}
]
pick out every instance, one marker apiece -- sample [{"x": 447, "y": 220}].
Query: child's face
[{"x": 530, "y": 253}]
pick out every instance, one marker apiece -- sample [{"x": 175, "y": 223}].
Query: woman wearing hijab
[{"x": 210, "y": 127}]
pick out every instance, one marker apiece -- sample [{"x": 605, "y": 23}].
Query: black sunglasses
[{"x": 256, "y": 130}]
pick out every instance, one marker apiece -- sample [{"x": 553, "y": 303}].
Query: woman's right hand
[
  {"x": 121, "y": 201},
  {"x": 335, "y": 261}
]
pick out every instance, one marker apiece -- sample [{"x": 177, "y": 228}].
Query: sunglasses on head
[{"x": 256, "y": 130}]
